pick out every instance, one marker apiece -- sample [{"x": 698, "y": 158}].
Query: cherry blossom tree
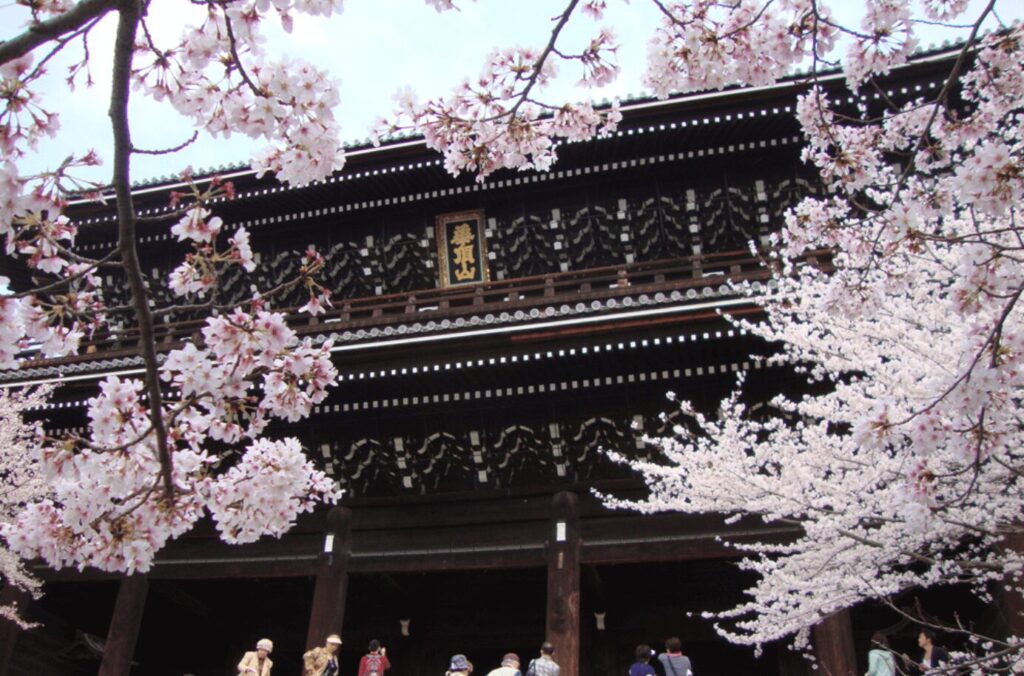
[
  {"x": 189, "y": 438},
  {"x": 23, "y": 483},
  {"x": 153, "y": 461},
  {"x": 906, "y": 473}
]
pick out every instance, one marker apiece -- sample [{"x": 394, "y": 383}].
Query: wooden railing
[{"x": 524, "y": 293}]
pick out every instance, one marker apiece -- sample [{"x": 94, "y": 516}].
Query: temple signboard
[{"x": 461, "y": 248}]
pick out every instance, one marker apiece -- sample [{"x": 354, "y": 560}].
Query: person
[
  {"x": 374, "y": 663},
  {"x": 880, "y": 660},
  {"x": 674, "y": 662},
  {"x": 642, "y": 666},
  {"x": 544, "y": 665},
  {"x": 509, "y": 666},
  {"x": 257, "y": 662},
  {"x": 322, "y": 661},
  {"x": 458, "y": 665},
  {"x": 934, "y": 655}
]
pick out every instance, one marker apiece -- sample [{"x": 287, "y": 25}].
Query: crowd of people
[
  {"x": 542, "y": 665},
  {"x": 323, "y": 660},
  {"x": 882, "y": 659}
]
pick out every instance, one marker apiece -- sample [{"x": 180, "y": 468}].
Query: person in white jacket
[
  {"x": 880, "y": 659},
  {"x": 257, "y": 662}
]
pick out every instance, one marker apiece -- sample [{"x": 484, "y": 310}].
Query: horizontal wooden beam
[
  {"x": 678, "y": 548},
  {"x": 461, "y": 535},
  {"x": 527, "y": 557}
]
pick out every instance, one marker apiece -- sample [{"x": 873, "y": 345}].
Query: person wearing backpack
[
  {"x": 673, "y": 661},
  {"x": 544, "y": 665},
  {"x": 375, "y": 662}
]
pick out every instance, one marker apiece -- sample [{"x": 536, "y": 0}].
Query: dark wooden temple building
[{"x": 492, "y": 339}]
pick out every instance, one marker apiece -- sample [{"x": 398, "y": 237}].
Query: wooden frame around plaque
[{"x": 462, "y": 247}]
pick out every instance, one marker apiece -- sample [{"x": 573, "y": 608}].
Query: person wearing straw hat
[
  {"x": 257, "y": 662},
  {"x": 322, "y": 661}
]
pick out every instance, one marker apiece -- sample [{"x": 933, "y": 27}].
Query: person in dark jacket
[
  {"x": 934, "y": 655},
  {"x": 642, "y": 666}
]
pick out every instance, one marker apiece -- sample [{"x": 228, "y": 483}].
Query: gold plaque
[{"x": 461, "y": 248}]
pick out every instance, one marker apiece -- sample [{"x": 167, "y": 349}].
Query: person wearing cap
[
  {"x": 459, "y": 666},
  {"x": 257, "y": 662},
  {"x": 509, "y": 666},
  {"x": 322, "y": 661}
]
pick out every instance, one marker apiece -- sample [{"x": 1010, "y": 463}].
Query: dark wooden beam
[
  {"x": 124, "y": 626},
  {"x": 220, "y": 567},
  {"x": 331, "y": 590},
  {"x": 563, "y": 601},
  {"x": 10, "y": 632},
  {"x": 438, "y": 561},
  {"x": 670, "y": 546},
  {"x": 833, "y": 645}
]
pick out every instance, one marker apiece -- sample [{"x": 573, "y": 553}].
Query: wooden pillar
[
  {"x": 563, "y": 608},
  {"x": 792, "y": 663},
  {"x": 9, "y": 630},
  {"x": 833, "y": 645},
  {"x": 331, "y": 588},
  {"x": 124, "y": 626}
]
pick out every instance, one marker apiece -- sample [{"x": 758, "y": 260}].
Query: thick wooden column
[
  {"x": 833, "y": 645},
  {"x": 124, "y": 626},
  {"x": 9, "y": 630},
  {"x": 331, "y": 588},
  {"x": 563, "y": 611}
]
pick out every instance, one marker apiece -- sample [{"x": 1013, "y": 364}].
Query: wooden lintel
[{"x": 437, "y": 562}]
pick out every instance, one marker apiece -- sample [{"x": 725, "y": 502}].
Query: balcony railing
[{"x": 526, "y": 293}]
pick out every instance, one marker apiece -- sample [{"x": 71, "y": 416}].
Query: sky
[{"x": 374, "y": 48}]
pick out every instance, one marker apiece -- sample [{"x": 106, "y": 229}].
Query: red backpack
[{"x": 374, "y": 665}]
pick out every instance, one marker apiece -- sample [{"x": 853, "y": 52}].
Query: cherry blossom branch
[
  {"x": 991, "y": 340},
  {"x": 947, "y": 88},
  {"x": 236, "y": 59},
  {"x": 129, "y": 13},
  {"x": 168, "y": 151},
  {"x": 539, "y": 63},
  {"x": 42, "y": 32},
  {"x": 64, "y": 281},
  {"x": 62, "y": 42}
]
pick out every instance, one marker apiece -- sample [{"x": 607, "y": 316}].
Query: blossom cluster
[
  {"x": 23, "y": 480},
  {"x": 497, "y": 122},
  {"x": 709, "y": 44},
  {"x": 904, "y": 469},
  {"x": 287, "y": 102},
  {"x": 106, "y": 506}
]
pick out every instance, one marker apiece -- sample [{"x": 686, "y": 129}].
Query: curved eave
[{"x": 382, "y": 162}]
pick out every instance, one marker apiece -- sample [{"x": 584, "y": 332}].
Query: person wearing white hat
[
  {"x": 257, "y": 662},
  {"x": 322, "y": 661}
]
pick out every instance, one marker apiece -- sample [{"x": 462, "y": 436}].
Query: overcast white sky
[{"x": 374, "y": 48}]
